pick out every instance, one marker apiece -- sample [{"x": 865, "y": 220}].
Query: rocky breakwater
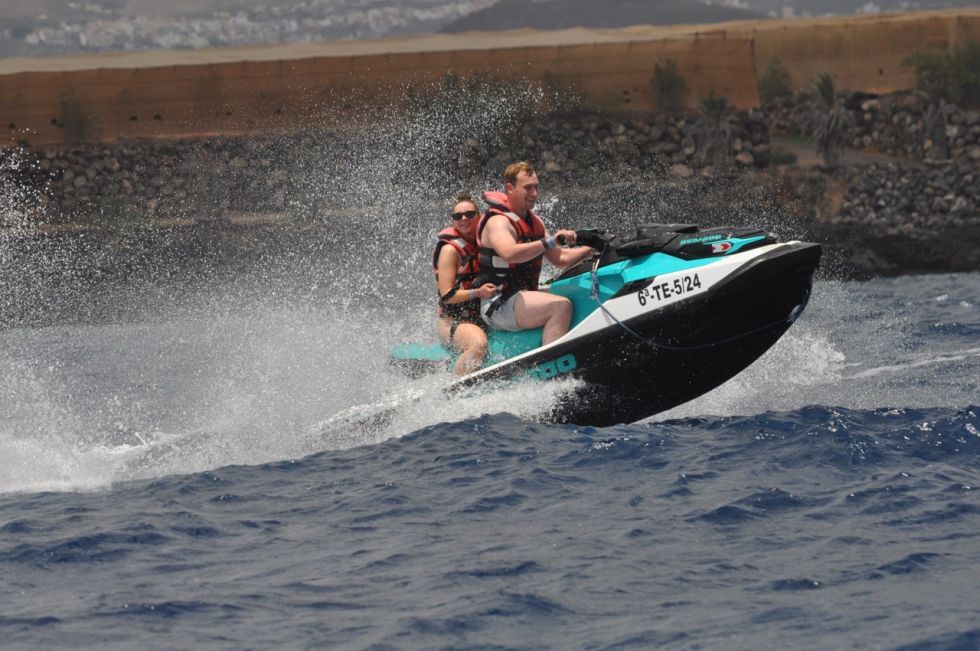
[
  {"x": 911, "y": 218},
  {"x": 905, "y": 125},
  {"x": 149, "y": 181},
  {"x": 908, "y": 189},
  {"x": 568, "y": 147},
  {"x": 891, "y": 211},
  {"x": 165, "y": 182}
]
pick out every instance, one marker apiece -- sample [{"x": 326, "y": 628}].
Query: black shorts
[{"x": 456, "y": 322}]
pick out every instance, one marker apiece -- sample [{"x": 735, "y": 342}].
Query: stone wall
[
  {"x": 898, "y": 124},
  {"x": 904, "y": 200},
  {"x": 929, "y": 179},
  {"x": 207, "y": 178},
  {"x": 892, "y": 196}
]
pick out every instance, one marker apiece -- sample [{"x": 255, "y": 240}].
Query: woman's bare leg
[{"x": 471, "y": 342}]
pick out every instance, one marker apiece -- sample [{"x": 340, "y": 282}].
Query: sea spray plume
[
  {"x": 22, "y": 202},
  {"x": 409, "y": 151},
  {"x": 390, "y": 175},
  {"x": 321, "y": 302},
  {"x": 282, "y": 337}
]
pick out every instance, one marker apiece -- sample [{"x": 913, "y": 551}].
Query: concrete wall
[
  {"x": 863, "y": 53},
  {"x": 183, "y": 100},
  {"x": 181, "y": 94}
]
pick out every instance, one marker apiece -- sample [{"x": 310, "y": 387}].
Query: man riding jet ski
[
  {"x": 513, "y": 242},
  {"x": 656, "y": 320}
]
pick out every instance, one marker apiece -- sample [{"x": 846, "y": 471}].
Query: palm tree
[
  {"x": 935, "y": 119},
  {"x": 933, "y": 80},
  {"x": 826, "y": 119},
  {"x": 944, "y": 79}
]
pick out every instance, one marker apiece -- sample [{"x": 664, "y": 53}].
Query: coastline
[{"x": 890, "y": 207}]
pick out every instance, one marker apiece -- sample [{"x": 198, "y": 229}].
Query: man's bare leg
[{"x": 541, "y": 309}]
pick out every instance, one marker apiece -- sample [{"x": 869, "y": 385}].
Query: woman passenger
[{"x": 460, "y": 325}]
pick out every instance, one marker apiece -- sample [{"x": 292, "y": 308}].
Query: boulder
[{"x": 681, "y": 171}]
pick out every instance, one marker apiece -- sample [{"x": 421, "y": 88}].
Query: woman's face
[{"x": 468, "y": 217}]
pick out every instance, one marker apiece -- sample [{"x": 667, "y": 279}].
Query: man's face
[{"x": 523, "y": 194}]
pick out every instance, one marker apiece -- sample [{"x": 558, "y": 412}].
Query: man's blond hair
[{"x": 510, "y": 174}]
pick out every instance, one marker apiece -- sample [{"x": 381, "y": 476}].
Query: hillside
[
  {"x": 802, "y": 8},
  {"x": 564, "y": 14},
  {"x": 31, "y": 28},
  {"x": 41, "y": 28}
]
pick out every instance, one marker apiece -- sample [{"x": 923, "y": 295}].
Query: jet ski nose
[{"x": 795, "y": 313}]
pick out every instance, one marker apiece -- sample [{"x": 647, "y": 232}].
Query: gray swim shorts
[{"x": 503, "y": 318}]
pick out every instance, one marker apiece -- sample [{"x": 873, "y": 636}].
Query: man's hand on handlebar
[{"x": 565, "y": 237}]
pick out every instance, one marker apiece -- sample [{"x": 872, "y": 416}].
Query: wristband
[
  {"x": 472, "y": 294},
  {"x": 551, "y": 242}
]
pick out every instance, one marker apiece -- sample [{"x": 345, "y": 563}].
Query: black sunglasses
[{"x": 468, "y": 213}]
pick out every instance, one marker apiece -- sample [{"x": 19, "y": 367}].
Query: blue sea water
[{"x": 218, "y": 479}]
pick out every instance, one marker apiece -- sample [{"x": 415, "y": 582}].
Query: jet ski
[{"x": 659, "y": 319}]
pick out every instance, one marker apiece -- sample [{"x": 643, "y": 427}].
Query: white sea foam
[{"x": 289, "y": 358}]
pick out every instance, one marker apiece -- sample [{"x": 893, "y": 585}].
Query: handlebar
[
  {"x": 586, "y": 237},
  {"x": 592, "y": 237}
]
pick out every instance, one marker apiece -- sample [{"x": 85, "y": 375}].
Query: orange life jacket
[
  {"x": 493, "y": 268},
  {"x": 465, "y": 275}
]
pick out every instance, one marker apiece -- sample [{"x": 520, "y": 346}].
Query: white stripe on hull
[{"x": 629, "y": 307}]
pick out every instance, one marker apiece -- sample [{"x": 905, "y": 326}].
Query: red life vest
[
  {"x": 493, "y": 268},
  {"x": 465, "y": 274}
]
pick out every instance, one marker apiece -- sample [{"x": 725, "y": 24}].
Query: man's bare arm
[
  {"x": 502, "y": 238},
  {"x": 566, "y": 257}
]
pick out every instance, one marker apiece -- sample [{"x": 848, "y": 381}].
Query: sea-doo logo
[
  {"x": 553, "y": 367},
  {"x": 701, "y": 240},
  {"x": 721, "y": 247}
]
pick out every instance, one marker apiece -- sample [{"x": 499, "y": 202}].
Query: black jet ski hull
[{"x": 668, "y": 356}]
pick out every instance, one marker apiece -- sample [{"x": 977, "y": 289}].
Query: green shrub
[
  {"x": 951, "y": 75},
  {"x": 782, "y": 156},
  {"x": 774, "y": 82},
  {"x": 77, "y": 122},
  {"x": 668, "y": 85},
  {"x": 713, "y": 105}
]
